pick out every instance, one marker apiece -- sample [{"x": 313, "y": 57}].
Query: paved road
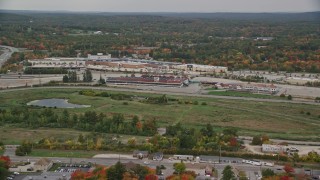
[
  {"x": 309, "y": 143},
  {"x": 8, "y": 51},
  {"x": 169, "y": 93}
]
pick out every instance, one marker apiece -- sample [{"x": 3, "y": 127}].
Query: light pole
[{"x": 219, "y": 153}]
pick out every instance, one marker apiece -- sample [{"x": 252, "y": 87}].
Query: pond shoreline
[{"x": 55, "y": 103}]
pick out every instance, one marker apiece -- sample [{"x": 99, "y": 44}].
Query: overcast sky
[{"x": 165, "y": 5}]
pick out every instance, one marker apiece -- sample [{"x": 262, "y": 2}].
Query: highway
[{"x": 7, "y": 52}]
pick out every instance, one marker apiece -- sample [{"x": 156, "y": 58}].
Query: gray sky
[{"x": 165, "y": 5}]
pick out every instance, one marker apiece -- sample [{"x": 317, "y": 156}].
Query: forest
[{"x": 273, "y": 42}]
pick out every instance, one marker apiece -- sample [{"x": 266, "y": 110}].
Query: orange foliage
[
  {"x": 288, "y": 169},
  {"x": 151, "y": 177},
  {"x": 139, "y": 125},
  {"x": 99, "y": 173},
  {"x": 6, "y": 161}
]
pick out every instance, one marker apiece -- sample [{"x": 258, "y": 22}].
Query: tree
[
  {"x": 151, "y": 177},
  {"x": 87, "y": 76},
  {"x": 179, "y": 167},
  {"x": 132, "y": 142},
  {"x": 102, "y": 80},
  {"x": 4, "y": 166},
  {"x": 116, "y": 171},
  {"x": 228, "y": 174},
  {"x": 24, "y": 149},
  {"x": 289, "y": 97},
  {"x": 163, "y": 99},
  {"x": 230, "y": 132},
  {"x": 267, "y": 173},
  {"x": 72, "y": 76},
  {"x": 140, "y": 171},
  {"x": 207, "y": 131},
  {"x": 65, "y": 79},
  {"x": 288, "y": 169},
  {"x": 6, "y": 161},
  {"x": 256, "y": 140},
  {"x": 265, "y": 139},
  {"x": 78, "y": 175},
  {"x": 81, "y": 139}
]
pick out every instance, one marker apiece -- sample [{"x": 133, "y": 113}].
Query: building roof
[
  {"x": 130, "y": 165},
  {"x": 140, "y": 152},
  {"x": 216, "y": 158}
]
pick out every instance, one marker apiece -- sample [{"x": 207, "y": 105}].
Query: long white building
[{"x": 201, "y": 68}]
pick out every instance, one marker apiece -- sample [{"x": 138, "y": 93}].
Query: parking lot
[{"x": 70, "y": 168}]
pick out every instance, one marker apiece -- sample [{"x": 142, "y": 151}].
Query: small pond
[{"x": 59, "y": 103}]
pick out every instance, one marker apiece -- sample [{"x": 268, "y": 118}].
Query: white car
[
  {"x": 16, "y": 173},
  {"x": 146, "y": 162}
]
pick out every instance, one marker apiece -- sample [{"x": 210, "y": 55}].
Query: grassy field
[
  {"x": 243, "y": 94},
  {"x": 281, "y": 120},
  {"x": 63, "y": 153}
]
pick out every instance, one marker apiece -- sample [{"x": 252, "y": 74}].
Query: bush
[
  {"x": 267, "y": 173},
  {"x": 195, "y": 102},
  {"x": 125, "y": 103},
  {"x": 282, "y": 95},
  {"x": 204, "y": 103},
  {"x": 289, "y": 97},
  {"x": 308, "y": 113}
]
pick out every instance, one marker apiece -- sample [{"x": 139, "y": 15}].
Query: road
[{"x": 8, "y": 51}]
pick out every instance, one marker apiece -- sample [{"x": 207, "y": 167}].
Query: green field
[
  {"x": 278, "y": 120},
  {"x": 64, "y": 153},
  {"x": 242, "y": 94}
]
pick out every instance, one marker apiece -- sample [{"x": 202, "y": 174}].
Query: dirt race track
[{"x": 11, "y": 81}]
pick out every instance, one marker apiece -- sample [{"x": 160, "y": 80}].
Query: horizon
[
  {"x": 162, "y": 12},
  {"x": 165, "y": 6}
]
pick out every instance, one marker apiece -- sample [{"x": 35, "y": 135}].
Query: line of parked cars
[
  {"x": 257, "y": 163},
  {"x": 10, "y": 177}
]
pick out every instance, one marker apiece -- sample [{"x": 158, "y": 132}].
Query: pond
[{"x": 59, "y": 103}]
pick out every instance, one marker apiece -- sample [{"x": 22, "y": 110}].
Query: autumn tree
[
  {"x": 288, "y": 169},
  {"x": 4, "y": 166}
]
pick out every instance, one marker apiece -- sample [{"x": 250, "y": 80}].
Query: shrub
[
  {"x": 308, "y": 113},
  {"x": 267, "y": 172},
  {"x": 203, "y": 103},
  {"x": 195, "y": 102},
  {"x": 289, "y": 97},
  {"x": 282, "y": 95},
  {"x": 125, "y": 103}
]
